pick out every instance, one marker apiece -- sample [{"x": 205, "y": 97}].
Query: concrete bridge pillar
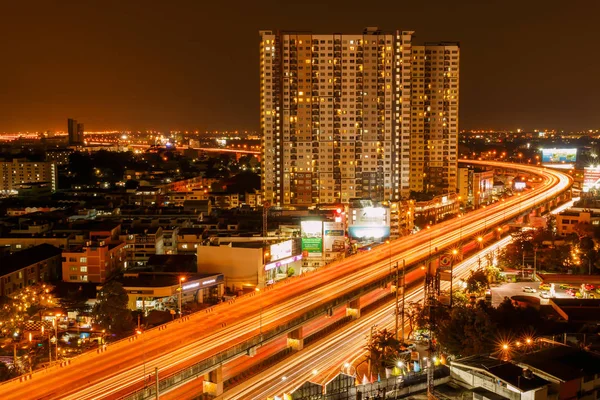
[
  {"x": 213, "y": 382},
  {"x": 353, "y": 308},
  {"x": 295, "y": 339}
]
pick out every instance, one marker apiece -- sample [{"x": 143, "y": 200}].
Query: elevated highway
[{"x": 202, "y": 342}]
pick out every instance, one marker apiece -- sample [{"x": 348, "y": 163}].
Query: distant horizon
[{"x": 191, "y": 64}]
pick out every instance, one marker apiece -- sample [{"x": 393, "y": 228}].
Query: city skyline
[{"x": 163, "y": 66}]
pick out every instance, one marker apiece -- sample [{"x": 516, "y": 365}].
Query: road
[
  {"x": 124, "y": 365},
  {"x": 320, "y": 362}
]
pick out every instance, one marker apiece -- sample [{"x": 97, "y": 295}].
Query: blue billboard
[{"x": 559, "y": 155}]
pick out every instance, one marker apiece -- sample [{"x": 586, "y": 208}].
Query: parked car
[
  {"x": 589, "y": 286},
  {"x": 564, "y": 286},
  {"x": 544, "y": 286},
  {"x": 528, "y": 289}
]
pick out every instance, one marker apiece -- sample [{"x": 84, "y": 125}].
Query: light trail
[{"x": 119, "y": 369}]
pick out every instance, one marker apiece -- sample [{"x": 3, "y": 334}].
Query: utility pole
[
  {"x": 266, "y": 206},
  {"x": 156, "y": 381},
  {"x": 431, "y": 293},
  {"x": 397, "y": 289},
  {"x": 403, "y": 290}
]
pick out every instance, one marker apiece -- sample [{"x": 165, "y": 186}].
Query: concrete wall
[{"x": 241, "y": 267}]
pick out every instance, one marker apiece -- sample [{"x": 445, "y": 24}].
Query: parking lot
[{"x": 516, "y": 289}]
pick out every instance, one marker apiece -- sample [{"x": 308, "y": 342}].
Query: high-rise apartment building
[
  {"x": 75, "y": 132},
  {"x": 20, "y": 171},
  {"x": 80, "y": 128},
  {"x": 356, "y": 115}
]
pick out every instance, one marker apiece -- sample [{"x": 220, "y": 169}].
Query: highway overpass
[{"x": 201, "y": 343}]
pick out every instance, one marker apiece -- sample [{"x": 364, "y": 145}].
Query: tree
[
  {"x": 468, "y": 331},
  {"x": 21, "y": 305},
  {"x": 384, "y": 349},
  {"x": 477, "y": 281},
  {"x": 7, "y": 372},
  {"x": 110, "y": 310},
  {"x": 75, "y": 301},
  {"x": 415, "y": 316}
]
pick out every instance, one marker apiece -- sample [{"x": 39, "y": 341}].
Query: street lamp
[
  {"x": 49, "y": 347},
  {"x": 181, "y": 280},
  {"x": 454, "y": 253},
  {"x": 398, "y": 288},
  {"x": 370, "y": 340},
  {"x": 55, "y": 324},
  {"x": 139, "y": 332}
]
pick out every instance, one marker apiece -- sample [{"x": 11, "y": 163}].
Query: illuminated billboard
[
  {"x": 559, "y": 156},
  {"x": 312, "y": 238},
  {"x": 333, "y": 236},
  {"x": 281, "y": 250},
  {"x": 369, "y": 222},
  {"x": 591, "y": 179}
]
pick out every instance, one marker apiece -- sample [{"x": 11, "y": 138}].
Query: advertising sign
[
  {"x": 369, "y": 222},
  {"x": 312, "y": 238},
  {"x": 591, "y": 179},
  {"x": 281, "y": 250},
  {"x": 559, "y": 155},
  {"x": 333, "y": 236}
]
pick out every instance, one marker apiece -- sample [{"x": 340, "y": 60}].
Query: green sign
[{"x": 313, "y": 246}]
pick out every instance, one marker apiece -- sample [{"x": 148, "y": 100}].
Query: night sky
[{"x": 130, "y": 64}]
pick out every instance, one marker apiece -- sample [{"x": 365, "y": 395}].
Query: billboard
[
  {"x": 559, "y": 156},
  {"x": 591, "y": 179},
  {"x": 281, "y": 250},
  {"x": 333, "y": 236},
  {"x": 369, "y": 222},
  {"x": 312, "y": 238}
]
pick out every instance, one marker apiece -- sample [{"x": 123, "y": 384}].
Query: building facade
[
  {"x": 29, "y": 267},
  {"x": 20, "y": 171},
  {"x": 356, "y": 116},
  {"x": 93, "y": 261},
  {"x": 75, "y": 132}
]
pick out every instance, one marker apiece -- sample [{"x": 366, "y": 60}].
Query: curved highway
[{"x": 124, "y": 365}]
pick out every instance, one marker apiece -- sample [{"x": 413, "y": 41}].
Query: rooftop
[
  {"x": 504, "y": 370},
  {"x": 191, "y": 231},
  {"x": 24, "y": 258},
  {"x": 563, "y": 362},
  {"x": 172, "y": 263},
  {"x": 144, "y": 279}
]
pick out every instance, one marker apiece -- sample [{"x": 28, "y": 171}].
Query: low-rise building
[
  {"x": 21, "y": 241},
  {"x": 40, "y": 263},
  {"x": 567, "y": 221},
  {"x": 93, "y": 261},
  {"x": 247, "y": 263},
  {"x": 160, "y": 291},
  {"x": 189, "y": 239},
  {"x": 141, "y": 243},
  {"x": 489, "y": 377},
  {"x": 573, "y": 373}
]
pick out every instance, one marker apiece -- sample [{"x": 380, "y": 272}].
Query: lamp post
[
  {"x": 49, "y": 347},
  {"x": 55, "y": 324},
  {"x": 181, "y": 280},
  {"x": 454, "y": 253},
  {"x": 370, "y": 340},
  {"x": 139, "y": 332},
  {"x": 397, "y": 289}
]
